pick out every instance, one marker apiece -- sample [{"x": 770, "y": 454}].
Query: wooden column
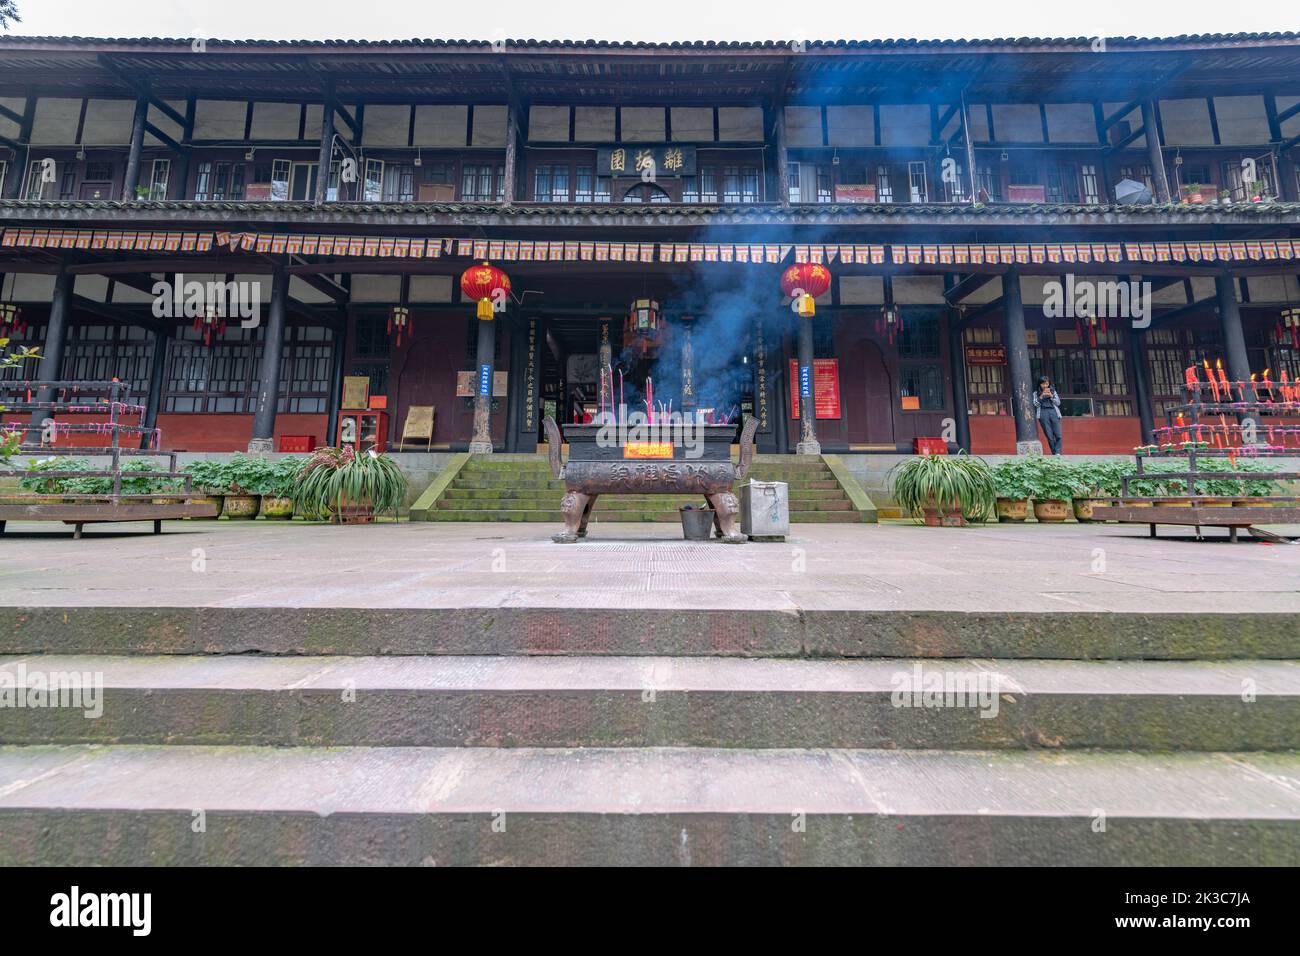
[
  {"x": 326, "y": 158},
  {"x": 268, "y": 393},
  {"x": 56, "y": 334},
  {"x": 157, "y": 369},
  {"x": 132, "y": 178},
  {"x": 1234, "y": 339},
  {"x": 808, "y": 444},
  {"x": 511, "y": 171},
  {"x": 481, "y": 443},
  {"x": 957, "y": 368},
  {"x": 18, "y": 168},
  {"x": 1151, "y": 130},
  {"x": 1138, "y": 368},
  {"x": 1022, "y": 388},
  {"x": 972, "y": 176},
  {"x": 782, "y": 156},
  {"x": 336, "y": 377}
]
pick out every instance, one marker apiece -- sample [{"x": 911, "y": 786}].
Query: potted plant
[
  {"x": 276, "y": 487},
  {"x": 1051, "y": 485},
  {"x": 1012, "y": 492},
  {"x": 1095, "y": 480},
  {"x": 1197, "y": 193},
  {"x": 54, "y": 486},
  {"x": 946, "y": 490},
  {"x": 210, "y": 481},
  {"x": 243, "y": 474},
  {"x": 347, "y": 487}
]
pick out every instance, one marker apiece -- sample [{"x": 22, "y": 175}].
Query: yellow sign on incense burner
[{"x": 648, "y": 450}]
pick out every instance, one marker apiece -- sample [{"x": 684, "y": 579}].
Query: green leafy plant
[
  {"x": 946, "y": 482},
  {"x": 280, "y": 476},
  {"x": 52, "y": 485},
  {"x": 212, "y": 477},
  {"x": 335, "y": 479},
  {"x": 1099, "y": 479},
  {"x": 1049, "y": 478},
  {"x": 1011, "y": 480}
]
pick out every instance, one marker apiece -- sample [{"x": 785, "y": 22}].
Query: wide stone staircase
[
  {"x": 513, "y": 735},
  {"x": 520, "y": 488}
]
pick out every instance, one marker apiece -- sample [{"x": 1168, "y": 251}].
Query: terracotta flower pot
[
  {"x": 1083, "y": 509},
  {"x": 1052, "y": 510},
  {"x": 241, "y": 507},
  {"x": 950, "y": 518},
  {"x": 215, "y": 500},
  {"x": 277, "y": 509},
  {"x": 1012, "y": 509}
]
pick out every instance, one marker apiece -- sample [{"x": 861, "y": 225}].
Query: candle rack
[{"x": 75, "y": 398}]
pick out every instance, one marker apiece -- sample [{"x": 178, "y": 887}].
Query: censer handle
[
  {"x": 746, "y": 448},
  {"x": 553, "y": 443}
]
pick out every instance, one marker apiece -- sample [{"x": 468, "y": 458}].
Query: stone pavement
[{"x": 887, "y": 567}]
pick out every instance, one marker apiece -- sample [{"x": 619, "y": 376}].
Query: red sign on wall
[
  {"x": 986, "y": 355},
  {"x": 826, "y": 388}
]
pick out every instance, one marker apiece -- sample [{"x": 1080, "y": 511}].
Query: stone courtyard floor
[{"x": 886, "y": 567}]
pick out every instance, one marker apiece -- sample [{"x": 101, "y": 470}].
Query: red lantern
[
  {"x": 805, "y": 281},
  {"x": 400, "y": 318},
  {"x": 642, "y": 327},
  {"x": 12, "y": 323},
  {"x": 1288, "y": 327},
  {"x": 890, "y": 322},
  {"x": 486, "y": 285},
  {"x": 209, "y": 322}
]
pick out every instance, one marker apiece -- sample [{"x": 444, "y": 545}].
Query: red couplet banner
[{"x": 826, "y": 388}]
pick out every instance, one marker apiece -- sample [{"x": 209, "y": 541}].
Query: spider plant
[
  {"x": 961, "y": 484},
  {"x": 338, "y": 482}
]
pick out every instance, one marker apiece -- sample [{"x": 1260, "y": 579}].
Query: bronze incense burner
[{"x": 688, "y": 458}]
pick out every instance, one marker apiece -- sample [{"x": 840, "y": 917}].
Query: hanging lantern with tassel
[
  {"x": 486, "y": 285},
  {"x": 642, "y": 327},
  {"x": 1090, "y": 324},
  {"x": 209, "y": 323},
  {"x": 890, "y": 323},
  {"x": 12, "y": 324},
  {"x": 1288, "y": 327},
  {"x": 804, "y": 282},
  {"x": 399, "y": 318}
]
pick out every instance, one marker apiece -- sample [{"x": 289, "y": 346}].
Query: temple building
[{"x": 266, "y": 239}]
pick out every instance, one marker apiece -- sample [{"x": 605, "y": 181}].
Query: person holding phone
[{"x": 1047, "y": 408}]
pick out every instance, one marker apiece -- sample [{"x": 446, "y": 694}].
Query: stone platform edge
[{"x": 368, "y": 631}]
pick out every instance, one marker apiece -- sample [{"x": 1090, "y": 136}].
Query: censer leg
[
  {"x": 586, "y": 515},
  {"x": 726, "y": 508},
  {"x": 573, "y": 506}
]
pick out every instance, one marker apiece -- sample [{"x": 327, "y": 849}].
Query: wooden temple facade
[{"x": 950, "y": 188}]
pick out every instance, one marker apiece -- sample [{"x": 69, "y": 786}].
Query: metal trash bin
[{"x": 765, "y": 510}]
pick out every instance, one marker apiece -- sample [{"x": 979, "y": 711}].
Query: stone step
[
  {"x": 137, "y": 805},
  {"x": 474, "y": 620},
  {"x": 524, "y": 514},
  {"x": 664, "y": 702},
  {"x": 501, "y": 494},
  {"x": 658, "y": 504}
]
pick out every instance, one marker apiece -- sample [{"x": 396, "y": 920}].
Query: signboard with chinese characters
[
  {"x": 826, "y": 388},
  {"x": 986, "y": 355},
  {"x": 646, "y": 162}
]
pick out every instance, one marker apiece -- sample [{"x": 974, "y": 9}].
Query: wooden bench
[
  {"x": 94, "y": 510},
  {"x": 1202, "y": 511}
]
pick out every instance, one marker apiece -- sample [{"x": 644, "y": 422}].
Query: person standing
[{"x": 1047, "y": 407}]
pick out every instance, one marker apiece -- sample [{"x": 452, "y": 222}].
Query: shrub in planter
[
  {"x": 1051, "y": 484},
  {"x": 944, "y": 489},
  {"x": 1012, "y": 490},
  {"x": 274, "y": 482},
  {"x": 209, "y": 484},
  {"x": 1094, "y": 480},
  {"x": 345, "y": 486},
  {"x": 243, "y": 474},
  {"x": 51, "y": 486}
]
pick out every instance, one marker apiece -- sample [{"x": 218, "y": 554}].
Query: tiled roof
[
  {"x": 1186, "y": 40},
  {"x": 900, "y": 211}
]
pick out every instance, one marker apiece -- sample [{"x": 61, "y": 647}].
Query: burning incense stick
[{"x": 650, "y": 398}]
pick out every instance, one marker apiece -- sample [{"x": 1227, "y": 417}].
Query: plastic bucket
[{"x": 697, "y": 523}]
